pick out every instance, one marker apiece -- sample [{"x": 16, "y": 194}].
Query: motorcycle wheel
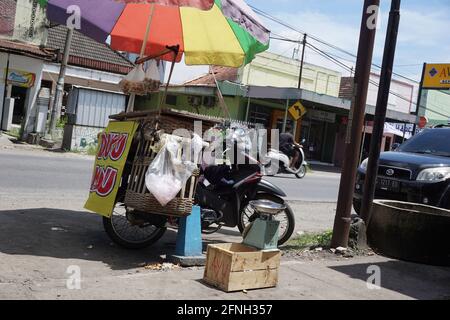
[
  {"x": 122, "y": 231},
  {"x": 286, "y": 218},
  {"x": 270, "y": 171},
  {"x": 302, "y": 173},
  {"x": 211, "y": 230}
]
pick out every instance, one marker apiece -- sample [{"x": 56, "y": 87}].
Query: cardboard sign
[{"x": 113, "y": 148}]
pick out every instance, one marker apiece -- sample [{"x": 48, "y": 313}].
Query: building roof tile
[
  {"x": 88, "y": 53},
  {"x": 221, "y": 73},
  {"x": 26, "y": 49}
]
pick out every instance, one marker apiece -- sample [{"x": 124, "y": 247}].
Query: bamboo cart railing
[{"x": 137, "y": 196}]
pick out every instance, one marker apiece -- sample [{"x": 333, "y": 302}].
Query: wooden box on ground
[{"x": 236, "y": 267}]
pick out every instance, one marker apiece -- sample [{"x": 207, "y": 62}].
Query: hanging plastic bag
[
  {"x": 168, "y": 173},
  {"x": 152, "y": 79},
  {"x": 134, "y": 81}
]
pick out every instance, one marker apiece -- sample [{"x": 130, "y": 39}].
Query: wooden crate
[{"x": 235, "y": 267}]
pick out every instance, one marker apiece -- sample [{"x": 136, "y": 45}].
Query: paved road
[
  {"x": 40, "y": 179},
  {"x": 39, "y": 172},
  {"x": 36, "y": 173},
  {"x": 315, "y": 187}
]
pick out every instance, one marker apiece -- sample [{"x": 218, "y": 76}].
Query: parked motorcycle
[
  {"x": 227, "y": 204},
  {"x": 277, "y": 162},
  {"x": 224, "y": 193}
]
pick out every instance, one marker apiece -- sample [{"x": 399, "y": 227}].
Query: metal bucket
[{"x": 410, "y": 232}]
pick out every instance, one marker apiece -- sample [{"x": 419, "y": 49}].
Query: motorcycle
[
  {"x": 228, "y": 204},
  {"x": 277, "y": 162},
  {"x": 224, "y": 199}
]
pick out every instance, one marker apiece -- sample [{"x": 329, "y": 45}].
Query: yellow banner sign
[
  {"x": 113, "y": 148},
  {"x": 297, "y": 111},
  {"x": 437, "y": 76}
]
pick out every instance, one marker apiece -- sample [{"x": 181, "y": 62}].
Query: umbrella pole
[
  {"x": 130, "y": 107},
  {"x": 175, "y": 51},
  {"x": 222, "y": 102}
]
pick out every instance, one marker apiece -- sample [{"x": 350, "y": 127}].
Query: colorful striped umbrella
[{"x": 224, "y": 33}]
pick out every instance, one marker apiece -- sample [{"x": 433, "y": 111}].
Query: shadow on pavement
[
  {"x": 67, "y": 234},
  {"x": 413, "y": 280}
]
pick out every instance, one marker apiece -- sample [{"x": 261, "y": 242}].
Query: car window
[{"x": 430, "y": 141}]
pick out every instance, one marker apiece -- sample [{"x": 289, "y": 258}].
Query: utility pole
[
  {"x": 419, "y": 99},
  {"x": 380, "y": 113},
  {"x": 6, "y": 91},
  {"x": 355, "y": 125},
  {"x": 302, "y": 61},
  {"x": 57, "y": 101}
]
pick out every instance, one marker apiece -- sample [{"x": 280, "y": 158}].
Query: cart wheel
[{"x": 130, "y": 234}]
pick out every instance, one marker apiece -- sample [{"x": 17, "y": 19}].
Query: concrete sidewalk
[
  {"x": 299, "y": 280},
  {"x": 38, "y": 246},
  {"x": 5, "y": 142}
]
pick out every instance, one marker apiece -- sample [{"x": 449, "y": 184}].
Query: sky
[{"x": 423, "y": 37}]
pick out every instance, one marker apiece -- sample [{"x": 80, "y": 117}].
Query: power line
[
  {"x": 331, "y": 57},
  {"x": 341, "y": 64},
  {"x": 372, "y": 81},
  {"x": 274, "y": 19}
]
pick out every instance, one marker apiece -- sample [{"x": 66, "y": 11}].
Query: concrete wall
[
  {"x": 80, "y": 138},
  {"x": 30, "y": 21},
  {"x": 404, "y": 89},
  {"x": 84, "y": 77},
  {"x": 437, "y": 106},
  {"x": 269, "y": 69}
]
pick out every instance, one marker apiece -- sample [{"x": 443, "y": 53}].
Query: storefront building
[
  {"x": 21, "y": 75},
  {"x": 32, "y": 53},
  {"x": 33, "y": 72},
  {"x": 323, "y": 126}
]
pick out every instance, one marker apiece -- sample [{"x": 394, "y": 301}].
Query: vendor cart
[
  {"x": 138, "y": 219},
  {"x": 221, "y": 33},
  {"x": 134, "y": 218}
]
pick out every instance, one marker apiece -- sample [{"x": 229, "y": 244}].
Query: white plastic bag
[
  {"x": 152, "y": 76},
  {"x": 134, "y": 81},
  {"x": 167, "y": 174}
]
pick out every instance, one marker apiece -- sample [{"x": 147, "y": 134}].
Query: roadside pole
[
  {"x": 286, "y": 116},
  {"x": 380, "y": 113},
  {"x": 419, "y": 100},
  {"x": 5, "y": 93},
  {"x": 355, "y": 125},
  {"x": 57, "y": 101},
  {"x": 247, "y": 114},
  {"x": 302, "y": 62}
]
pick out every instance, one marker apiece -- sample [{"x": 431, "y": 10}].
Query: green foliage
[
  {"x": 92, "y": 150},
  {"x": 14, "y": 132},
  {"x": 61, "y": 123},
  {"x": 311, "y": 240}
]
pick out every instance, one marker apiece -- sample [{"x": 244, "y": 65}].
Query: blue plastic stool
[{"x": 189, "y": 247}]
